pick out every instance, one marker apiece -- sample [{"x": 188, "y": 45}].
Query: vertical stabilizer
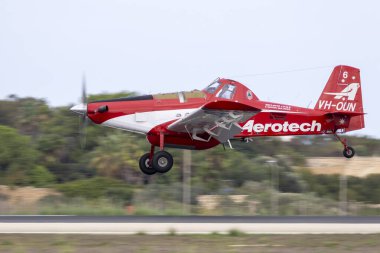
[{"x": 343, "y": 94}]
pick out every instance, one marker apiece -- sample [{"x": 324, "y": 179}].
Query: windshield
[
  {"x": 212, "y": 87},
  {"x": 227, "y": 91}
]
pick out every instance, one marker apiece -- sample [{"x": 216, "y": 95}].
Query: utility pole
[
  {"x": 343, "y": 192},
  {"x": 275, "y": 185},
  {"x": 186, "y": 188}
]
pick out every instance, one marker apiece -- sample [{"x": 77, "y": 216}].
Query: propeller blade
[
  {"x": 83, "y": 131},
  {"x": 82, "y": 109},
  {"x": 84, "y": 93}
]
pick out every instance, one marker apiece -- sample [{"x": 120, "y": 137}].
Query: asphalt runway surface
[{"x": 190, "y": 224}]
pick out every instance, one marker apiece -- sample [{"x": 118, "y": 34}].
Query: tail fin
[{"x": 343, "y": 95}]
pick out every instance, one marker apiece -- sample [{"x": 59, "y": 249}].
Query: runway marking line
[{"x": 256, "y": 245}]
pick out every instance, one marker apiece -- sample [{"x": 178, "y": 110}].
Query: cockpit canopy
[{"x": 229, "y": 89}]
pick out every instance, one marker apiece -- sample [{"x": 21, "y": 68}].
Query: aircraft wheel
[
  {"x": 162, "y": 161},
  {"x": 348, "y": 152},
  {"x": 144, "y": 165}
]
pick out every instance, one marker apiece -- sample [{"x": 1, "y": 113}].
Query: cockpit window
[
  {"x": 212, "y": 87},
  {"x": 227, "y": 91}
]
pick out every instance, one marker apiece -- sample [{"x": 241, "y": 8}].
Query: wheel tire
[
  {"x": 144, "y": 165},
  {"x": 162, "y": 161},
  {"x": 348, "y": 152}
]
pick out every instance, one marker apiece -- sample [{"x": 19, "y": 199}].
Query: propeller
[{"x": 81, "y": 109}]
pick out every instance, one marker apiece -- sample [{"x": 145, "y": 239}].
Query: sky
[{"x": 283, "y": 50}]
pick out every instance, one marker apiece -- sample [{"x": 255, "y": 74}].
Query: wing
[{"x": 217, "y": 120}]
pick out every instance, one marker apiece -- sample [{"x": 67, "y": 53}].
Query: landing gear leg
[
  {"x": 348, "y": 151},
  {"x": 162, "y": 141},
  {"x": 151, "y": 154}
]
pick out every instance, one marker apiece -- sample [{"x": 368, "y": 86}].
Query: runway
[{"x": 189, "y": 224}]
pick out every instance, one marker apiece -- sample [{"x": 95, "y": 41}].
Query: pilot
[{"x": 227, "y": 91}]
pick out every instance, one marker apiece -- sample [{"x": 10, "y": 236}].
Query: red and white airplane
[{"x": 224, "y": 110}]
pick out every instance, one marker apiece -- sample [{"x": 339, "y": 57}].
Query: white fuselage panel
[{"x": 143, "y": 122}]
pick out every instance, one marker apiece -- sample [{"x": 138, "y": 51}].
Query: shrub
[{"x": 96, "y": 188}]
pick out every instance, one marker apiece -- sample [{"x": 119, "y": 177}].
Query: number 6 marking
[{"x": 345, "y": 74}]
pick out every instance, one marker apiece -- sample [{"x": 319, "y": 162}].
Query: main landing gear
[
  {"x": 348, "y": 151},
  {"x": 161, "y": 162}
]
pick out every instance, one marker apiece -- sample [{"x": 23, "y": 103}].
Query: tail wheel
[
  {"x": 349, "y": 152},
  {"x": 145, "y": 165},
  {"x": 162, "y": 161}
]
